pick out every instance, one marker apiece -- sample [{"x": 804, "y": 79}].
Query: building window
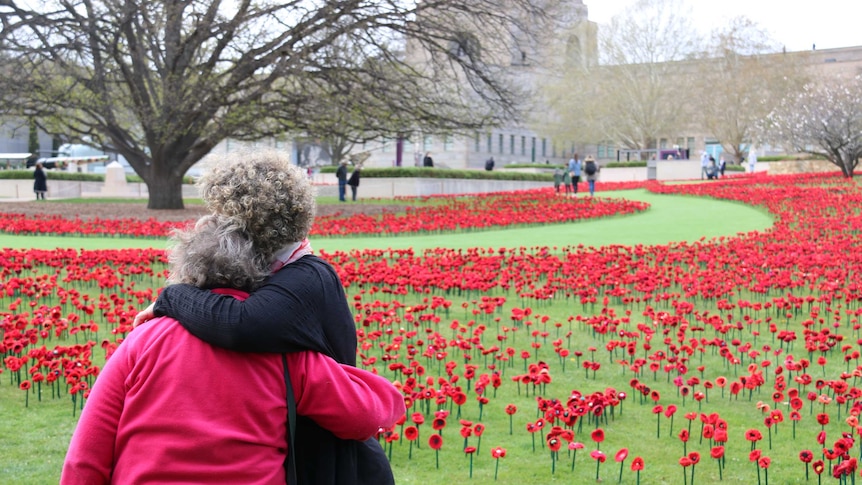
[
  {"x": 447, "y": 143},
  {"x": 553, "y": 149},
  {"x": 544, "y": 148},
  {"x": 500, "y": 139},
  {"x": 600, "y": 151},
  {"x": 478, "y": 142},
  {"x": 662, "y": 143},
  {"x": 384, "y": 145},
  {"x": 465, "y": 45},
  {"x": 490, "y": 143},
  {"x": 523, "y": 145},
  {"x": 511, "y": 144},
  {"x": 426, "y": 143},
  {"x": 690, "y": 145},
  {"x": 533, "y": 149}
]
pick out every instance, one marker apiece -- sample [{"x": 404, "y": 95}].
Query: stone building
[{"x": 524, "y": 58}]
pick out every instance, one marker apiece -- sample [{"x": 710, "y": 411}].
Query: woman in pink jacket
[{"x": 168, "y": 407}]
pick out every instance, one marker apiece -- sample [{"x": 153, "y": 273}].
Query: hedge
[{"x": 74, "y": 176}]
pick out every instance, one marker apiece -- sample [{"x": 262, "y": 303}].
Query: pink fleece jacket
[{"x": 168, "y": 407}]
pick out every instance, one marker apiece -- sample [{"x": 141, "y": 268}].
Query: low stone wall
[
  {"x": 411, "y": 187},
  {"x": 69, "y": 189},
  {"x": 621, "y": 174},
  {"x": 665, "y": 170}
]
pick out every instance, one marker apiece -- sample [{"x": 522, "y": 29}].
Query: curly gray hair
[
  {"x": 215, "y": 253},
  {"x": 270, "y": 199}
]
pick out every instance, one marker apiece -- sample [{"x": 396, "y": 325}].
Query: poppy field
[{"x": 733, "y": 359}]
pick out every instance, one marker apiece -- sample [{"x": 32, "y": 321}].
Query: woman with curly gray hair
[
  {"x": 300, "y": 306},
  {"x": 222, "y": 412}
]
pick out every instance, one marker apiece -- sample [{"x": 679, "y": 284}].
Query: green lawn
[{"x": 669, "y": 219}]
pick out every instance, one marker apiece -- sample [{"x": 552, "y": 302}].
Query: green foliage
[
  {"x": 75, "y": 176},
  {"x": 635, "y": 163},
  {"x": 53, "y": 175},
  {"x": 541, "y": 166},
  {"x": 789, "y": 158}
]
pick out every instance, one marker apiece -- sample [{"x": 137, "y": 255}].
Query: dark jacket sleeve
[{"x": 301, "y": 307}]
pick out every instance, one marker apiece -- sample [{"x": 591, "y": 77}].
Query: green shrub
[
  {"x": 548, "y": 166},
  {"x": 786, "y": 158},
  {"x": 53, "y": 175},
  {"x": 75, "y": 176},
  {"x": 634, "y": 163}
]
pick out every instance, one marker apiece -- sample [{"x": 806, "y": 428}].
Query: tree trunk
[
  {"x": 847, "y": 166},
  {"x": 166, "y": 191}
]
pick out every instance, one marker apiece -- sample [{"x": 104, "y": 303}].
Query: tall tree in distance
[
  {"x": 162, "y": 82},
  {"x": 636, "y": 93},
  {"x": 823, "y": 119},
  {"x": 741, "y": 78}
]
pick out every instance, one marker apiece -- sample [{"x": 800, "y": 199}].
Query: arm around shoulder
[{"x": 351, "y": 403}]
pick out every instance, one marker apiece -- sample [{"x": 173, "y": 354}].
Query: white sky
[{"x": 796, "y": 24}]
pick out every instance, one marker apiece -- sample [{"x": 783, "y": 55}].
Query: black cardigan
[{"x": 300, "y": 307}]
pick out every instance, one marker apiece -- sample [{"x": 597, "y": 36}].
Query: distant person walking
[
  {"x": 704, "y": 165},
  {"x": 40, "y": 182},
  {"x": 592, "y": 171},
  {"x": 353, "y": 181},
  {"x": 752, "y": 159},
  {"x": 341, "y": 174},
  {"x": 575, "y": 172},
  {"x": 567, "y": 179},
  {"x": 558, "y": 179},
  {"x": 427, "y": 161},
  {"x": 722, "y": 165}
]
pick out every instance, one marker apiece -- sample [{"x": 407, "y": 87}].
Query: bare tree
[
  {"x": 822, "y": 119},
  {"x": 636, "y": 93},
  {"x": 739, "y": 81},
  {"x": 163, "y": 81}
]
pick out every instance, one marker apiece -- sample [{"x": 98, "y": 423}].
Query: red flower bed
[
  {"x": 768, "y": 321},
  {"x": 446, "y": 213}
]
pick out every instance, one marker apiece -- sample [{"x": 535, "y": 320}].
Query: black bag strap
[{"x": 290, "y": 459}]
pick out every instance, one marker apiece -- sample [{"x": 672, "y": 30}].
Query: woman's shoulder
[{"x": 306, "y": 265}]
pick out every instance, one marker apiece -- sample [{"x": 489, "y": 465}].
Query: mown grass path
[{"x": 669, "y": 219}]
